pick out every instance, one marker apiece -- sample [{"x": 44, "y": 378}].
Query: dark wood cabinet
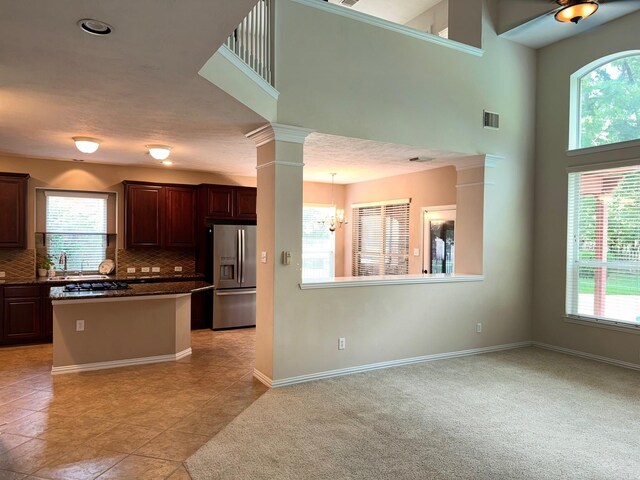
[
  {"x": 21, "y": 320},
  {"x": 220, "y": 201},
  {"x": 180, "y": 228},
  {"x": 245, "y": 203},
  {"x": 144, "y": 213},
  {"x": 226, "y": 202},
  {"x": 160, "y": 216},
  {"x": 13, "y": 221}
]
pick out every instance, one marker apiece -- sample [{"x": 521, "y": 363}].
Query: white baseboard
[
  {"x": 377, "y": 366},
  {"x": 590, "y": 356},
  {"x": 87, "y": 367}
]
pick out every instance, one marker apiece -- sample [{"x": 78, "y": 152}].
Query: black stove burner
[{"x": 95, "y": 287}]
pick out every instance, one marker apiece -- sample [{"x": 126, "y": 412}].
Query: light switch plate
[
  {"x": 131, "y": 270},
  {"x": 416, "y": 252},
  {"x": 263, "y": 257},
  {"x": 2, "y": 274},
  {"x": 177, "y": 269},
  {"x": 144, "y": 269},
  {"x": 155, "y": 269},
  {"x": 79, "y": 325}
]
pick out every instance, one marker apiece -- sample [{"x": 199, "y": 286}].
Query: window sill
[
  {"x": 603, "y": 148},
  {"x": 344, "y": 282},
  {"x": 601, "y": 323}
]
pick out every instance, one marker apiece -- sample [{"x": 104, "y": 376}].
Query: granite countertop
[
  {"x": 119, "y": 277},
  {"x": 134, "y": 290}
]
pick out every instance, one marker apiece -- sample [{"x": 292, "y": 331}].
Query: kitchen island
[{"x": 144, "y": 323}]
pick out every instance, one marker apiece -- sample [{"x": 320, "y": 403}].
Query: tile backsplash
[
  {"x": 17, "y": 262},
  {"x": 166, "y": 260}
]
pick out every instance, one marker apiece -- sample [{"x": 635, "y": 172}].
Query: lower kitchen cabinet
[
  {"x": 21, "y": 315},
  {"x": 201, "y": 310}
]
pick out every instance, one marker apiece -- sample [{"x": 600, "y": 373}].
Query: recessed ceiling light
[
  {"x": 159, "y": 152},
  {"x": 87, "y": 144},
  {"x": 167, "y": 162},
  {"x": 95, "y": 27}
]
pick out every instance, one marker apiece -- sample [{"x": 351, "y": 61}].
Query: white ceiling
[
  {"x": 531, "y": 22},
  {"x": 356, "y": 160},
  {"x": 139, "y": 85},
  {"x": 398, "y": 11}
]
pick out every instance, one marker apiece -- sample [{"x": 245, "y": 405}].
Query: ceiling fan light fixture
[{"x": 576, "y": 11}]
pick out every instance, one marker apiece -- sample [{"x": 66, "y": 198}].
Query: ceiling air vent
[
  {"x": 491, "y": 120},
  {"x": 348, "y": 3}
]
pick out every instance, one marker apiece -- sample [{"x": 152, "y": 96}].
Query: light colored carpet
[{"x": 519, "y": 414}]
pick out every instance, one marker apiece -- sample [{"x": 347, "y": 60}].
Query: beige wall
[
  {"x": 556, "y": 63},
  {"x": 100, "y": 177},
  {"x": 343, "y": 77},
  {"x": 425, "y": 189}
]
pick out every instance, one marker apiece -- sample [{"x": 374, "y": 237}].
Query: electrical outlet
[
  {"x": 131, "y": 270},
  {"x": 79, "y": 325},
  {"x": 342, "y": 343},
  {"x": 155, "y": 269},
  {"x": 263, "y": 257},
  {"x": 479, "y": 327},
  {"x": 144, "y": 269},
  {"x": 2, "y": 274},
  {"x": 177, "y": 269}
]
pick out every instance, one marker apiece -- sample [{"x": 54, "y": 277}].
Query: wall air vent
[
  {"x": 422, "y": 159},
  {"x": 491, "y": 120},
  {"x": 348, "y": 3}
]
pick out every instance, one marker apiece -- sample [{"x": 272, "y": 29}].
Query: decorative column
[{"x": 279, "y": 243}]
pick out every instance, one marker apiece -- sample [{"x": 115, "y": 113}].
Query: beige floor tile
[
  {"x": 76, "y": 431},
  {"x": 156, "y": 418},
  {"x": 180, "y": 474},
  {"x": 30, "y": 456},
  {"x": 80, "y": 464},
  {"x": 9, "y": 441},
  {"x": 202, "y": 424},
  {"x": 135, "y": 467},
  {"x": 35, "y": 424},
  {"x": 12, "y": 392},
  {"x": 9, "y": 413},
  {"x": 124, "y": 438},
  {"x": 172, "y": 445}
]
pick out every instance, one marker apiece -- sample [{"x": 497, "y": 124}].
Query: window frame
[
  {"x": 333, "y": 236},
  {"x": 575, "y": 106},
  {"x": 572, "y": 269}
]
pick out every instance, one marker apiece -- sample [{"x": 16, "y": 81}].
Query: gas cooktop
[{"x": 95, "y": 287}]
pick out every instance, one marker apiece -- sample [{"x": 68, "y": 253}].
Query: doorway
[{"x": 438, "y": 227}]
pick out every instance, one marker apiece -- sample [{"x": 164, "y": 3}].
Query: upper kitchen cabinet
[
  {"x": 13, "y": 221},
  {"x": 227, "y": 202},
  {"x": 159, "y": 215},
  {"x": 181, "y": 217}
]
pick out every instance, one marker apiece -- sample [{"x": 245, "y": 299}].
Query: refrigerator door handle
[
  {"x": 234, "y": 293},
  {"x": 243, "y": 256},
  {"x": 239, "y": 258}
]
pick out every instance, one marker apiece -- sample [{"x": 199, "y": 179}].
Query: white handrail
[{"x": 251, "y": 40}]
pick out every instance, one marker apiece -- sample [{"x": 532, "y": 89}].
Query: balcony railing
[{"x": 252, "y": 40}]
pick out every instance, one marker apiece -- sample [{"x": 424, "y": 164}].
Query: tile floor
[{"x": 126, "y": 423}]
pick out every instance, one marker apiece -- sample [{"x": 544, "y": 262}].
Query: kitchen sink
[{"x": 79, "y": 278}]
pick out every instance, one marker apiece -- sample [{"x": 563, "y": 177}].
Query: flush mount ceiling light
[
  {"x": 159, "y": 152},
  {"x": 87, "y": 144},
  {"x": 573, "y": 12},
  {"x": 94, "y": 27}
]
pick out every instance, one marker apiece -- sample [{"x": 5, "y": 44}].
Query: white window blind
[
  {"x": 76, "y": 223},
  {"x": 381, "y": 239},
  {"x": 603, "y": 253},
  {"x": 318, "y": 243}
]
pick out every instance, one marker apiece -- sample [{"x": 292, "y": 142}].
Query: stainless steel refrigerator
[{"x": 234, "y": 276}]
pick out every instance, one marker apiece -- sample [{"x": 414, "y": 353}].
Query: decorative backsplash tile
[
  {"x": 166, "y": 260},
  {"x": 41, "y": 251},
  {"x": 16, "y": 262}
]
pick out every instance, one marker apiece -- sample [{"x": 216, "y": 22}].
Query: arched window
[{"x": 606, "y": 101}]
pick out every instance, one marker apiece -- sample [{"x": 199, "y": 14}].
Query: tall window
[
  {"x": 76, "y": 223},
  {"x": 381, "y": 238},
  {"x": 609, "y": 103},
  {"x": 603, "y": 261},
  {"x": 318, "y": 243}
]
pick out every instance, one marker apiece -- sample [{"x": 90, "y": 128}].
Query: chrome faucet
[{"x": 62, "y": 260}]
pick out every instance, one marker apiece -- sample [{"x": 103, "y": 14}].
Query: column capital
[{"x": 279, "y": 133}]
